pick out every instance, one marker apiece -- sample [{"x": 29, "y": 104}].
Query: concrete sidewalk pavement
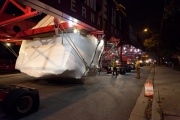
[{"x": 165, "y": 103}]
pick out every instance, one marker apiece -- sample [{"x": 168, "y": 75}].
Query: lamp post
[{"x": 153, "y": 40}]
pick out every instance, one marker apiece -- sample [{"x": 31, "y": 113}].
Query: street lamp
[
  {"x": 145, "y": 30},
  {"x": 8, "y": 44}
]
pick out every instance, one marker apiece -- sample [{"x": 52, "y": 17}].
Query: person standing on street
[
  {"x": 137, "y": 68},
  {"x": 113, "y": 65}
]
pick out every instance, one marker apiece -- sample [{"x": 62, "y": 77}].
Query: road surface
[{"x": 100, "y": 97}]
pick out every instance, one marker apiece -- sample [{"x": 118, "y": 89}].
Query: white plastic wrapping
[{"x": 55, "y": 56}]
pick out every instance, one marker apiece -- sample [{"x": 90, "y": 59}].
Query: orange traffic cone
[{"x": 148, "y": 89}]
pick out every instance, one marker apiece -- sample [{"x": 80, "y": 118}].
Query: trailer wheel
[{"x": 20, "y": 103}]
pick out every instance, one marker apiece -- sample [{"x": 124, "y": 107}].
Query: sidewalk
[{"x": 165, "y": 104}]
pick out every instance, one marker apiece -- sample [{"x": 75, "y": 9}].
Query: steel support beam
[
  {"x": 47, "y": 29},
  {"x": 3, "y": 8},
  {"x": 27, "y": 13},
  {"x": 22, "y": 17}
]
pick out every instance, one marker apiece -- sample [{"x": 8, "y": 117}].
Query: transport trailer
[{"x": 18, "y": 101}]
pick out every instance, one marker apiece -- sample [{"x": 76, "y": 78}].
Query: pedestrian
[
  {"x": 137, "y": 68},
  {"x": 113, "y": 65}
]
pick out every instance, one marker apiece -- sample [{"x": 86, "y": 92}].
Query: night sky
[{"x": 144, "y": 13}]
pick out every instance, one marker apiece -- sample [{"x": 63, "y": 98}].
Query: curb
[
  {"x": 146, "y": 107},
  {"x": 156, "y": 110}
]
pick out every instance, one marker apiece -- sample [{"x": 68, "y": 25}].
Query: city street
[
  {"x": 101, "y": 97},
  {"x": 52, "y": 43}
]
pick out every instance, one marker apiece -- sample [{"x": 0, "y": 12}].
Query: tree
[
  {"x": 151, "y": 43},
  {"x": 170, "y": 32}
]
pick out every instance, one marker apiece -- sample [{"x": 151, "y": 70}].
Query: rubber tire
[{"x": 18, "y": 97}]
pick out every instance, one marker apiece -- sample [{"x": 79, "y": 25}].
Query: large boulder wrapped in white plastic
[{"x": 69, "y": 55}]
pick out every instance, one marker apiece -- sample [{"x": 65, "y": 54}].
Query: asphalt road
[{"x": 101, "y": 97}]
